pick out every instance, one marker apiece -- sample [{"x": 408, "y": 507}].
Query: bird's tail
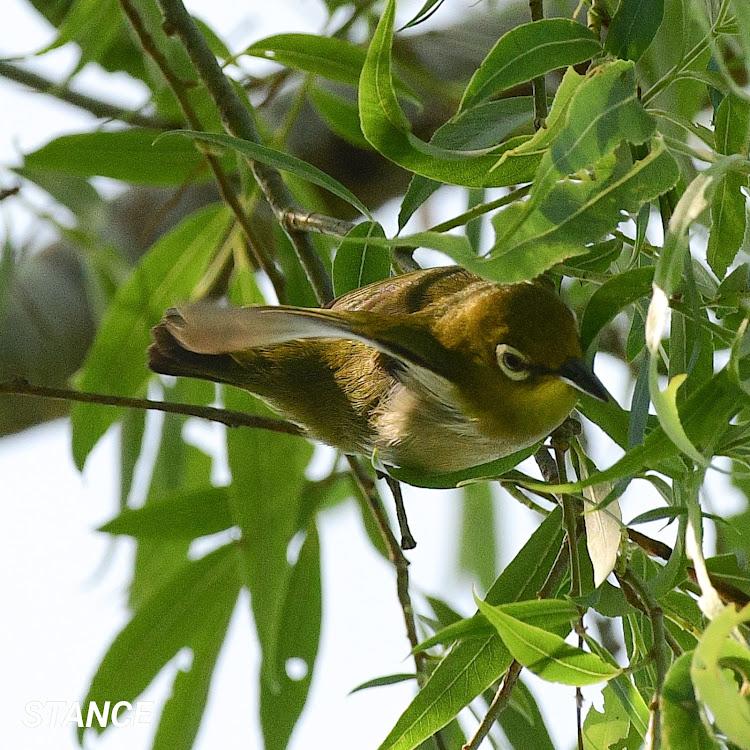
[{"x": 167, "y": 356}]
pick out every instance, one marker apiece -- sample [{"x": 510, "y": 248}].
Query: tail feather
[{"x": 167, "y": 357}]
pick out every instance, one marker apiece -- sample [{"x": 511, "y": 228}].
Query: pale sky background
[{"x": 64, "y": 584}]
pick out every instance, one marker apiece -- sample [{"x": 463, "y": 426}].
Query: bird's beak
[{"x": 581, "y": 376}]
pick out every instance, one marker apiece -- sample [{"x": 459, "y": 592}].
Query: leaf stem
[
  {"x": 239, "y": 122},
  {"x": 482, "y": 208},
  {"x": 21, "y": 387}
]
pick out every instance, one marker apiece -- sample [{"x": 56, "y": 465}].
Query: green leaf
[
  {"x": 522, "y": 721},
  {"x": 682, "y": 727},
  {"x": 116, "y": 363},
  {"x": 181, "y": 718},
  {"x": 713, "y": 686},
  {"x": 741, "y": 12},
  {"x": 329, "y": 57},
  {"x": 604, "y": 110},
  {"x": 267, "y": 506},
  {"x": 602, "y": 730},
  {"x": 356, "y": 265},
  {"x": 178, "y": 515},
  {"x": 391, "y": 679},
  {"x": 528, "y": 51},
  {"x": 492, "y": 470},
  {"x": 473, "y": 666},
  {"x": 280, "y": 160},
  {"x": 612, "y": 297},
  {"x": 385, "y": 126},
  {"x": 546, "y": 654},
  {"x": 728, "y": 207},
  {"x": 187, "y": 611},
  {"x": 573, "y": 214},
  {"x": 134, "y": 156},
  {"x": 477, "y": 556},
  {"x": 480, "y": 127},
  {"x": 425, "y": 12},
  {"x": 282, "y": 699},
  {"x": 633, "y": 27}
]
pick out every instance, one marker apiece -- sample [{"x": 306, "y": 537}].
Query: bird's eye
[{"x": 512, "y": 362}]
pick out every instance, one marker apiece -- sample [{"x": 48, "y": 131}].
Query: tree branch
[
  {"x": 239, "y": 122},
  {"x": 222, "y": 179},
  {"x": 96, "y": 107},
  {"x": 539, "y": 84},
  {"x": 21, "y": 387}
]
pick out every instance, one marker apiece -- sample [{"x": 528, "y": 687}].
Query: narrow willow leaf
[
  {"x": 602, "y": 730},
  {"x": 282, "y": 699},
  {"x": 546, "y": 654},
  {"x": 603, "y": 531},
  {"x": 426, "y": 11},
  {"x": 573, "y": 214},
  {"x": 544, "y": 613},
  {"x": 327, "y": 56},
  {"x": 682, "y": 727},
  {"x": 665, "y": 403},
  {"x": 634, "y": 27},
  {"x": 267, "y": 506},
  {"x": 741, "y": 12},
  {"x": 522, "y": 721},
  {"x": 280, "y": 160},
  {"x": 477, "y": 555},
  {"x": 116, "y": 363},
  {"x": 356, "y": 265},
  {"x": 181, "y": 718},
  {"x": 728, "y": 207},
  {"x": 528, "y": 51},
  {"x": 713, "y": 686},
  {"x": 179, "y": 515},
  {"x": 130, "y": 155},
  {"x": 610, "y": 298},
  {"x": 385, "y": 126},
  {"x": 390, "y": 679},
  {"x": 473, "y": 666},
  {"x": 184, "y": 612}
]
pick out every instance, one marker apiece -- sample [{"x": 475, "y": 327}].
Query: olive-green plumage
[{"x": 436, "y": 369}]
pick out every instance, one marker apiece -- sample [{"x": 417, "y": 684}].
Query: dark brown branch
[
  {"x": 222, "y": 179},
  {"x": 21, "y": 387},
  {"x": 239, "y": 122},
  {"x": 96, "y": 107}
]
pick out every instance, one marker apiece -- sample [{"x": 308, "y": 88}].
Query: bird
[{"x": 437, "y": 370}]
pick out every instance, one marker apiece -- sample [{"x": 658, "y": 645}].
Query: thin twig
[
  {"x": 482, "y": 208},
  {"x": 307, "y": 221},
  {"x": 222, "y": 179},
  {"x": 539, "y": 83},
  {"x": 407, "y": 539},
  {"x": 396, "y": 556},
  {"x": 21, "y": 387},
  {"x": 497, "y": 706},
  {"x": 239, "y": 122},
  {"x": 661, "y": 661},
  {"x": 96, "y": 107}
]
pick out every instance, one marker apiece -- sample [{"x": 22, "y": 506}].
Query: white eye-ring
[{"x": 512, "y": 362}]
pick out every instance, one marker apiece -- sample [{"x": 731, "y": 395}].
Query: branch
[
  {"x": 96, "y": 107},
  {"x": 239, "y": 122},
  {"x": 222, "y": 179},
  {"x": 497, "y": 706},
  {"x": 539, "y": 84},
  {"x": 21, "y": 387}
]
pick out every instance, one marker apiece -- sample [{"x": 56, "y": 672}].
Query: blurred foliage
[{"x": 630, "y": 199}]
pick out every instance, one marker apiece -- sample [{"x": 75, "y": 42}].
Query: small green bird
[{"x": 438, "y": 370}]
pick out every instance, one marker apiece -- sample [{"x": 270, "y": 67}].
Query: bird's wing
[{"x": 207, "y": 328}]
